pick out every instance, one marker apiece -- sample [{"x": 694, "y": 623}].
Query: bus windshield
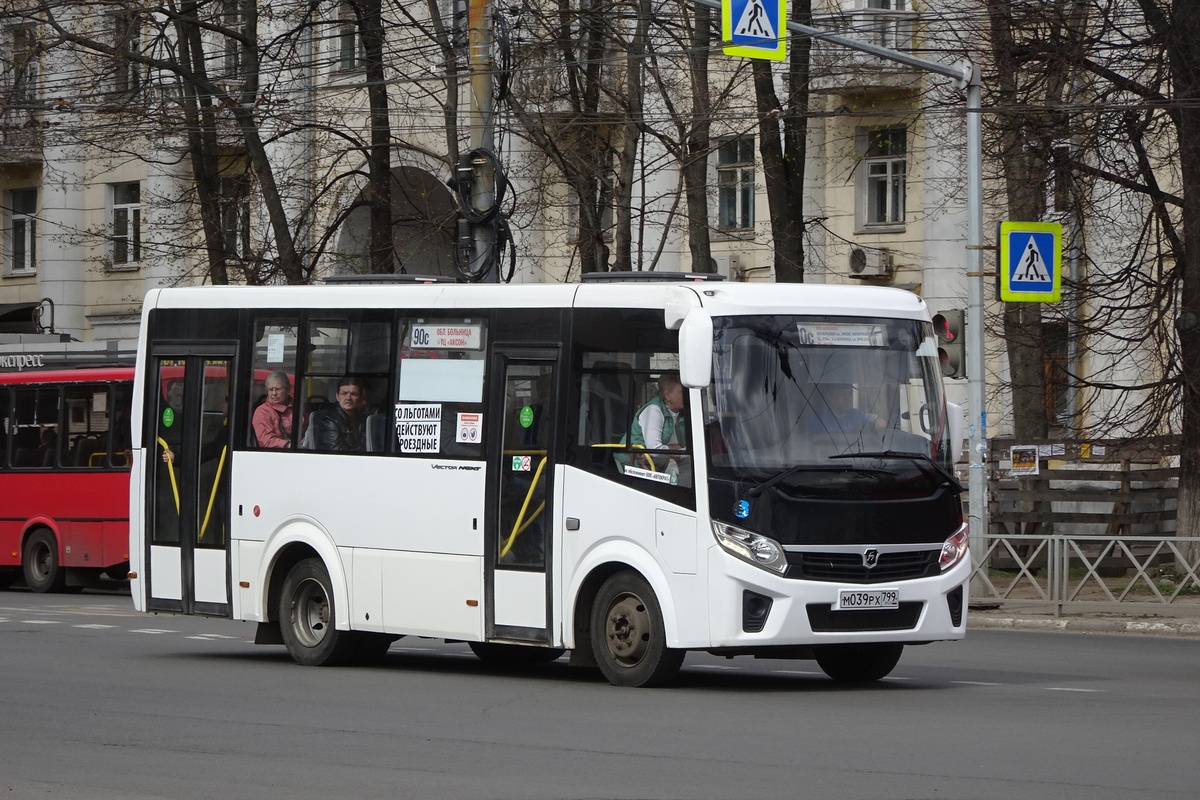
[{"x": 827, "y": 406}]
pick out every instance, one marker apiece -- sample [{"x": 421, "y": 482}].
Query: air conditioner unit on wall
[{"x": 870, "y": 262}]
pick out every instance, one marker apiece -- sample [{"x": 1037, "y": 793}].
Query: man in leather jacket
[{"x": 344, "y": 426}]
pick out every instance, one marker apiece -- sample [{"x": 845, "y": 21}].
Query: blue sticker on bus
[{"x": 742, "y": 509}]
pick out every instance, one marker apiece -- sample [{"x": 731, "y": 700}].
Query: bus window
[
  {"x": 274, "y": 364},
  {"x": 442, "y": 370},
  {"x": 5, "y": 425},
  {"x": 357, "y": 348},
  {"x": 35, "y": 434},
  {"x": 86, "y": 428}
]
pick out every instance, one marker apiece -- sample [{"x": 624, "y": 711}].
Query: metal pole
[
  {"x": 976, "y": 383},
  {"x": 482, "y": 121}
]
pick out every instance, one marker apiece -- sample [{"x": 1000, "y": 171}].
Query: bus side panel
[
  {"x": 618, "y": 523},
  {"x": 87, "y": 511},
  {"x": 137, "y": 499}
]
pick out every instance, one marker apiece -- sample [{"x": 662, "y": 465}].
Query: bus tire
[
  {"x": 858, "y": 663},
  {"x": 511, "y": 655},
  {"x": 628, "y": 635},
  {"x": 39, "y": 561},
  {"x": 307, "y": 618}
]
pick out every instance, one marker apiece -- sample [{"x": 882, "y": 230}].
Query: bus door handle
[{"x": 572, "y": 524}]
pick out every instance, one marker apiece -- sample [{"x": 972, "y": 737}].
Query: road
[{"x": 104, "y": 704}]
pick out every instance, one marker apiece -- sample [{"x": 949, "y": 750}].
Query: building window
[
  {"x": 24, "y": 68},
  {"x": 126, "y": 225},
  {"x": 887, "y": 23},
  {"x": 350, "y": 49},
  {"x": 231, "y": 18},
  {"x": 22, "y": 231},
  {"x": 127, "y": 35},
  {"x": 735, "y": 184},
  {"x": 884, "y": 156},
  {"x": 235, "y": 216}
]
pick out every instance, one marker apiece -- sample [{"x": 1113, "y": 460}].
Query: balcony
[
  {"x": 21, "y": 138},
  {"x": 840, "y": 70}
]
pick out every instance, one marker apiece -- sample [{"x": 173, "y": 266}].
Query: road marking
[
  {"x": 94, "y": 626},
  {"x": 41, "y": 621},
  {"x": 1070, "y": 689},
  {"x": 151, "y": 630},
  {"x": 711, "y": 666},
  {"x": 797, "y": 672},
  {"x": 212, "y": 637},
  {"x": 977, "y": 683}
]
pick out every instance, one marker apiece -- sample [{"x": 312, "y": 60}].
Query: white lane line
[
  {"x": 94, "y": 626},
  {"x": 41, "y": 621},
  {"x": 711, "y": 666},
  {"x": 797, "y": 672},
  {"x": 212, "y": 637},
  {"x": 1071, "y": 689},
  {"x": 152, "y": 630},
  {"x": 977, "y": 683}
]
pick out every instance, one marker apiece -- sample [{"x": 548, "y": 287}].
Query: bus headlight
[
  {"x": 954, "y": 549},
  {"x": 759, "y": 550}
]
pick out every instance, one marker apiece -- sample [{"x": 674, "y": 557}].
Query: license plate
[{"x": 867, "y": 599}]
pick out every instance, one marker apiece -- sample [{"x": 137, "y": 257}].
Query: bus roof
[{"x": 720, "y": 298}]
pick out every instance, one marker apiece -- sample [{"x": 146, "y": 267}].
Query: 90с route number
[{"x": 867, "y": 599}]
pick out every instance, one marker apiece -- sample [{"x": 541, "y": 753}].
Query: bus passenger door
[
  {"x": 188, "y": 463},
  {"x": 520, "y": 544}
]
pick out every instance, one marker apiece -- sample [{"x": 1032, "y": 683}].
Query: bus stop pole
[{"x": 966, "y": 76}]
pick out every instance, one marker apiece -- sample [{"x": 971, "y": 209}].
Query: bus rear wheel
[
  {"x": 858, "y": 663},
  {"x": 40, "y": 563},
  {"x": 628, "y": 635},
  {"x": 307, "y": 618}
]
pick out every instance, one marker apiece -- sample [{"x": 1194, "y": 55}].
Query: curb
[{"x": 1157, "y": 627}]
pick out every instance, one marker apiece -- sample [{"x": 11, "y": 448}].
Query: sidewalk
[{"x": 1134, "y": 618}]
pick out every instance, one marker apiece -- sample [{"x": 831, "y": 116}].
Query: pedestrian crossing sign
[
  {"x": 1030, "y": 262},
  {"x": 754, "y": 28}
]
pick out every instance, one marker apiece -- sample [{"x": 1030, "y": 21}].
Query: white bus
[{"x": 489, "y": 464}]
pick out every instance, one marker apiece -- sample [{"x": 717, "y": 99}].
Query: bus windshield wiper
[
  {"x": 792, "y": 470},
  {"x": 915, "y": 457}
]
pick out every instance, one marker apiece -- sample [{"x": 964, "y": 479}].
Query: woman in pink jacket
[{"x": 272, "y": 420}]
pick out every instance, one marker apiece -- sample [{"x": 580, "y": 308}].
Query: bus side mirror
[
  {"x": 696, "y": 349},
  {"x": 956, "y": 429}
]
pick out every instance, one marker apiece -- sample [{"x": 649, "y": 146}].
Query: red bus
[{"x": 64, "y": 476}]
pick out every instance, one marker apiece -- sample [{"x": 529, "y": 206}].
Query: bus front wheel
[
  {"x": 858, "y": 663},
  {"x": 40, "y": 563},
  {"x": 307, "y": 616},
  {"x": 628, "y": 636}
]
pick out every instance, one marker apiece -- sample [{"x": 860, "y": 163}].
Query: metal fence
[{"x": 1093, "y": 572}]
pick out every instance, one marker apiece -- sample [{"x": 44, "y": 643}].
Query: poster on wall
[{"x": 1024, "y": 460}]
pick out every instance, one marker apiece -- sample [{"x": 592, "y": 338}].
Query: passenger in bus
[
  {"x": 661, "y": 425},
  {"x": 272, "y": 419},
  {"x": 344, "y": 426},
  {"x": 834, "y": 411}
]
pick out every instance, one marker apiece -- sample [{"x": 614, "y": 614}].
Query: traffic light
[{"x": 952, "y": 342}]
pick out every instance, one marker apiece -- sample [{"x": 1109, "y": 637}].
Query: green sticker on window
[
  {"x": 168, "y": 417},
  {"x": 526, "y": 418}
]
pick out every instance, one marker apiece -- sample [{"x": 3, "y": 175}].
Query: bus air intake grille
[
  {"x": 849, "y": 567},
  {"x": 824, "y": 619}
]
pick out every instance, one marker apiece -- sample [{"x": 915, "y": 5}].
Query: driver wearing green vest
[{"x": 659, "y": 425}]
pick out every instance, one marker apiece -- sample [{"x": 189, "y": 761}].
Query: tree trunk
[{"x": 698, "y": 143}]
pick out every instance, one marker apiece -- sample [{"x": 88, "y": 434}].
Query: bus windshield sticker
[
  {"x": 419, "y": 427},
  {"x": 446, "y": 337},
  {"x": 842, "y": 334},
  {"x": 468, "y": 429},
  {"x": 650, "y": 475},
  {"x": 275, "y": 342}
]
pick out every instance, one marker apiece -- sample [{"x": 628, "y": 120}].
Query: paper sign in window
[{"x": 441, "y": 380}]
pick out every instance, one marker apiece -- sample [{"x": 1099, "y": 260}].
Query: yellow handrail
[
  {"x": 171, "y": 472},
  {"x": 517, "y": 526},
  {"x": 629, "y": 447},
  {"x": 213, "y": 495}
]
